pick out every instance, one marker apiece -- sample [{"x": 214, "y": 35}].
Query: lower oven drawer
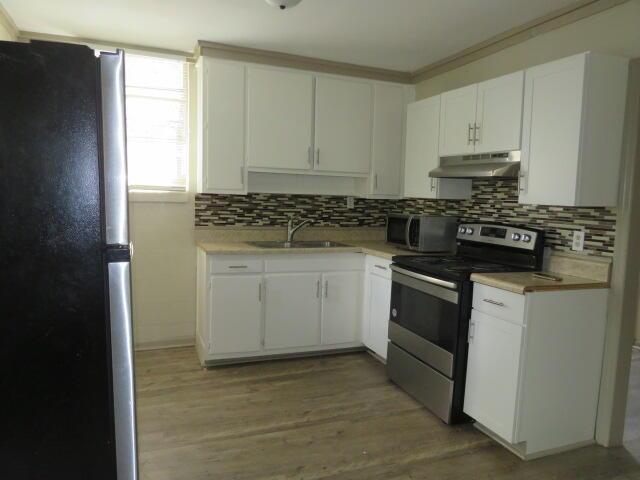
[{"x": 430, "y": 388}]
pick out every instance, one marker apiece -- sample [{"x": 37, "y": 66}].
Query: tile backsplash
[{"x": 492, "y": 201}]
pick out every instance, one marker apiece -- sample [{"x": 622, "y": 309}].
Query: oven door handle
[
  {"x": 425, "y": 278},
  {"x": 407, "y": 232}
]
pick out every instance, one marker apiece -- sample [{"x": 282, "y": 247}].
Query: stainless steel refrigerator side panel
[
  {"x": 117, "y": 234},
  {"x": 122, "y": 365},
  {"x": 114, "y": 139}
]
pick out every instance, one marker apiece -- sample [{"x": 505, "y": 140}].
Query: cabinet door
[
  {"x": 421, "y": 150},
  {"x": 388, "y": 123},
  {"x": 421, "y": 155},
  {"x": 342, "y": 298},
  {"x": 292, "y": 310},
  {"x": 279, "y": 116},
  {"x": 379, "y": 305},
  {"x": 457, "y": 117},
  {"x": 343, "y": 125},
  {"x": 551, "y": 132},
  {"x": 499, "y": 114},
  {"x": 221, "y": 127},
  {"x": 236, "y": 314},
  {"x": 493, "y": 365}
]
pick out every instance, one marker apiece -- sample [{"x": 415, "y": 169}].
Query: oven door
[
  {"x": 398, "y": 229},
  {"x": 424, "y": 317}
]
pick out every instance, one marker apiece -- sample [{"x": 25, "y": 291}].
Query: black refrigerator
[{"x": 67, "y": 408}]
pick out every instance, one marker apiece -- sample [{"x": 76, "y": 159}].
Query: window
[{"x": 157, "y": 146}]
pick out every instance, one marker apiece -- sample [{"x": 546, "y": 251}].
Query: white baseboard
[{"x": 173, "y": 343}]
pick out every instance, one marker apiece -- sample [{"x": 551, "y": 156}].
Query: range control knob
[
  {"x": 469, "y": 231},
  {"x": 526, "y": 238},
  {"x": 462, "y": 230},
  {"x": 515, "y": 237}
]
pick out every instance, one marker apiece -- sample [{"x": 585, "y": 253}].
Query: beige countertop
[
  {"x": 377, "y": 248},
  {"x": 522, "y": 282}
]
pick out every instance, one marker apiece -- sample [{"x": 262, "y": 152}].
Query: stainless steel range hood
[{"x": 504, "y": 165}]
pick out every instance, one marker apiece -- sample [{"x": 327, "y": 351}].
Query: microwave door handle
[{"x": 408, "y": 232}]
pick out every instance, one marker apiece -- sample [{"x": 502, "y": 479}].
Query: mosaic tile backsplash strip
[{"x": 491, "y": 201}]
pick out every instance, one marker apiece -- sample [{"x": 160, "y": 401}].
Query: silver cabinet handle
[
  {"x": 472, "y": 331},
  {"x": 375, "y": 181},
  {"x": 493, "y": 302},
  {"x": 380, "y": 267},
  {"x": 242, "y": 176},
  {"x": 260, "y": 291},
  {"x": 433, "y": 184},
  {"x": 476, "y": 133},
  {"x": 326, "y": 289},
  {"x": 237, "y": 266},
  {"x": 469, "y": 129},
  {"x": 318, "y": 156},
  {"x": 521, "y": 181},
  {"x": 318, "y": 289}
]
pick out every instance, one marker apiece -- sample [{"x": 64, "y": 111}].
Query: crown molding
[
  {"x": 269, "y": 57},
  {"x": 7, "y": 22},
  {"x": 556, "y": 19}
]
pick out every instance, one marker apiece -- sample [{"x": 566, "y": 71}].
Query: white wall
[
  {"x": 164, "y": 262},
  {"x": 615, "y": 31},
  {"x": 4, "y": 33}
]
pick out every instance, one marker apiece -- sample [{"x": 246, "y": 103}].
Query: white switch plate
[
  {"x": 351, "y": 202},
  {"x": 578, "y": 241}
]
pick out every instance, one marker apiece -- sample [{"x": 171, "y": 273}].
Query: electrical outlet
[
  {"x": 578, "y": 241},
  {"x": 351, "y": 202}
]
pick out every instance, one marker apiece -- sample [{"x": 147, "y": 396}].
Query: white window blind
[{"x": 157, "y": 144}]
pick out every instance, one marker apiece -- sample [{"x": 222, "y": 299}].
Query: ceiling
[{"x": 394, "y": 34}]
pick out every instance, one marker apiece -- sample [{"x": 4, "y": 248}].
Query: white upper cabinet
[
  {"x": 221, "y": 106},
  {"x": 388, "y": 132},
  {"x": 279, "y": 118},
  {"x": 572, "y": 131},
  {"x": 457, "y": 119},
  {"x": 421, "y": 155},
  {"x": 343, "y": 125},
  {"x": 498, "y": 125},
  {"x": 482, "y": 118}
]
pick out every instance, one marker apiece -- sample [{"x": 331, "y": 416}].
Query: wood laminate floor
[{"x": 333, "y": 417}]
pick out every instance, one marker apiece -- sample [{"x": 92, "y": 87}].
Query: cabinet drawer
[
  {"x": 499, "y": 303},
  {"x": 234, "y": 264},
  {"x": 379, "y": 266}
]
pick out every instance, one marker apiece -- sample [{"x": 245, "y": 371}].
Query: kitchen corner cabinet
[
  {"x": 389, "y": 106},
  {"x": 482, "y": 118},
  {"x": 375, "y": 325},
  {"x": 572, "y": 131},
  {"x": 421, "y": 155},
  {"x": 533, "y": 369},
  {"x": 277, "y": 305},
  {"x": 343, "y": 125},
  {"x": 221, "y": 127}
]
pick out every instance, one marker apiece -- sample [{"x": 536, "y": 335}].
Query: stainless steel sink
[{"x": 298, "y": 244}]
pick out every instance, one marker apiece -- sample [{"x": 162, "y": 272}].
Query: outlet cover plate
[{"x": 578, "y": 241}]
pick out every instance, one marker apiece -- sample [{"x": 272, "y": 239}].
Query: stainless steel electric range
[{"x": 431, "y": 297}]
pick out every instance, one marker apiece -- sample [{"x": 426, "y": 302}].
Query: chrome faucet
[{"x": 291, "y": 230}]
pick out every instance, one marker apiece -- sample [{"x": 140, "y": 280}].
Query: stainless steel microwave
[{"x": 422, "y": 233}]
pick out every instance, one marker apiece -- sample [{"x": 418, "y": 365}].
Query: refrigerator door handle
[
  {"x": 114, "y": 147},
  {"x": 123, "y": 369}
]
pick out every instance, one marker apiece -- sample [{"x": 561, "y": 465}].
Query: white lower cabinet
[
  {"x": 492, "y": 373},
  {"x": 265, "y": 305},
  {"x": 237, "y": 316},
  {"x": 377, "y": 304},
  {"x": 534, "y": 365},
  {"x": 342, "y": 298},
  {"x": 292, "y": 310}
]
